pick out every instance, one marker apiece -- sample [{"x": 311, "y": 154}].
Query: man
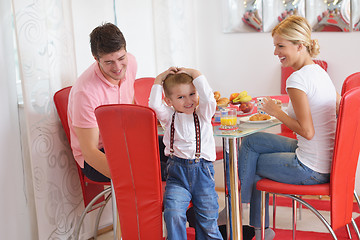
[{"x": 109, "y": 80}]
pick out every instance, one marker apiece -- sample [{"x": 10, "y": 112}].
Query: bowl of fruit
[{"x": 243, "y": 102}]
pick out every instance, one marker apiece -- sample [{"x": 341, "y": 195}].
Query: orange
[{"x": 233, "y": 96}]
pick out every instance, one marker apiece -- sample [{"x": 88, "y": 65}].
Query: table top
[{"x": 243, "y": 129}]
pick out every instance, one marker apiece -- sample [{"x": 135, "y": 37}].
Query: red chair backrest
[
  {"x": 89, "y": 189},
  {"x": 345, "y": 158},
  {"x": 142, "y": 88},
  {"x": 61, "y": 99},
  {"x": 130, "y": 141},
  {"x": 350, "y": 82},
  {"x": 287, "y": 71}
]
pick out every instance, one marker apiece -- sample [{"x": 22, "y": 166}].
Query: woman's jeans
[
  {"x": 266, "y": 155},
  {"x": 187, "y": 181}
]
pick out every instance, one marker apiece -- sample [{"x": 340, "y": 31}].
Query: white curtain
[
  {"x": 16, "y": 204},
  {"x": 175, "y": 33},
  {"x": 43, "y": 30}
]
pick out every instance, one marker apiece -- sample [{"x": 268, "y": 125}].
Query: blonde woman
[{"x": 311, "y": 115}]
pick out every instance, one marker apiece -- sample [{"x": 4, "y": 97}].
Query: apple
[{"x": 246, "y": 107}]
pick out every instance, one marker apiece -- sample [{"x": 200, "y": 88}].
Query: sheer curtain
[
  {"x": 175, "y": 33},
  {"x": 16, "y": 205},
  {"x": 44, "y": 35}
]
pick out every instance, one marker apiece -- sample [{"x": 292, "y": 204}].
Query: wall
[{"x": 245, "y": 61}]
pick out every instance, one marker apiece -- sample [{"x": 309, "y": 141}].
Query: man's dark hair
[{"x": 106, "y": 38}]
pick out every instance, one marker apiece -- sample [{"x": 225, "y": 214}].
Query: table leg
[{"x": 233, "y": 195}]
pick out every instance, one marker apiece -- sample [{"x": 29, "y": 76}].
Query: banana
[
  {"x": 241, "y": 95},
  {"x": 247, "y": 98}
]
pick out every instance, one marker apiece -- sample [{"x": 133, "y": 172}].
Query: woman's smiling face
[{"x": 287, "y": 51}]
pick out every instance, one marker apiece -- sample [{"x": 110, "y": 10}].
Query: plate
[{"x": 247, "y": 119}]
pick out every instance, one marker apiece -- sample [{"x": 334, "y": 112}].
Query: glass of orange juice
[{"x": 228, "y": 118}]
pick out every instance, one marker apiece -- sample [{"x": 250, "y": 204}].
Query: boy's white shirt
[{"x": 184, "y": 137}]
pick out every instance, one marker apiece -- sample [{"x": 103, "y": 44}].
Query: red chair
[
  {"x": 130, "y": 141},
  {"x": 94, "y": 193},
  {"x": 342, "y": 180},
  {"x": 142, "y": 88},
  {"x": 350, "y": 82},
  {"x": 287, "y": 71}
]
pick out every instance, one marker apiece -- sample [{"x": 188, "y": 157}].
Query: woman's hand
[{"x": 270, "y": 107}]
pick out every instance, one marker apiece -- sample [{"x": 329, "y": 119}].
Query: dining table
[{"x": 231, "y": 140}]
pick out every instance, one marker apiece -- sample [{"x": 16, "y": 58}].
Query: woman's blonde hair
[
  {"x": 172, "y": 80},
  {"x": 297, "y": 30}
]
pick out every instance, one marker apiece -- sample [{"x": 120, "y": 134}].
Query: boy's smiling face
[{"x": 184, "y": 98}]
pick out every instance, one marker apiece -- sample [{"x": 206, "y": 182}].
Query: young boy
[{"x": 190, "y": 145}]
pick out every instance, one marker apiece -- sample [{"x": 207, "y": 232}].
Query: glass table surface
[{"x": 245, "y": 129}]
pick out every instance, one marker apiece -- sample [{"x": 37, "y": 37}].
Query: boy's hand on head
[
  {"x": 161, "y": 77},
  {"x": 189, "y": 71}
]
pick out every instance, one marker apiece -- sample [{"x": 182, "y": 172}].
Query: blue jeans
[
  {"x": 266, "y": 155},
  {"x": 187, "y": 181}
]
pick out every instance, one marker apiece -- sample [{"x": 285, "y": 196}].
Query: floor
[
  {"x": 307, "y": 222},
  {"x": 110, "y": 236}
]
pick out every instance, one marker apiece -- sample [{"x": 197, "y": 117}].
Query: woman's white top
[
  {"x": 184, "y": 137},
  {"x": 316, "y": 153}
]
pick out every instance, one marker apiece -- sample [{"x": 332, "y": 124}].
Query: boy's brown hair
[{"x": 172, "y": 80}]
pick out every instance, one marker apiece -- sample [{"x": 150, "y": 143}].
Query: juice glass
[{"x": 228, "y": 118}]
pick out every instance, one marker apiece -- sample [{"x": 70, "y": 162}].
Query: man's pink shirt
[{"x": 92, "y": 90}]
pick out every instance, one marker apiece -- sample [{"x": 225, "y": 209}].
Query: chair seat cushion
[{"x": 268, "y": 185}]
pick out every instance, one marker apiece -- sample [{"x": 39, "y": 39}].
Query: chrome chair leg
[
  {"x": 263, "y": 201},
  {"x": 274, "y": 211},
  {"x": 300, "y": 209},
  {"x": 316, "y": 212},
  {"x": 356, "y": 228},
  {"x": 99, "y": 216},
  {"x": 357, "y": 198},
  {"x": 88, "y": 207},
  {"x": 114, "y": 210},
  {"x": 294, "y": 218},
  {"x": 348, "y": 231}
]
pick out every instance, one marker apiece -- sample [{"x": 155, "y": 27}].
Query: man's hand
[{"x": 89, "y": 140}]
